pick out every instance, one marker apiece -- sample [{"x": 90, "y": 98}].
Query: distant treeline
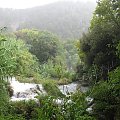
[{"x": 66, "y": 19}]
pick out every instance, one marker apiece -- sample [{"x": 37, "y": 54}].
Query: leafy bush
[
  {"x": 70, "y": 108},
  {"x": 10, "y": 117},
  {"x": 25, "y": 109},
  {"x": 107, "y": 97},
  {"x": 73, "y": 108},
  {"x": 56, "y": 70},
  {"x": 14, "y": 59}
]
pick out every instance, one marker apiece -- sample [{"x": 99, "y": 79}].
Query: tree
[
  {"x": 101, "y": 48},
  {"x": 99, "y": 44},
  {"x": 43, "y": 44},
  {"x": 71, "y": 54},
  {"x": 25, "y": 62}
]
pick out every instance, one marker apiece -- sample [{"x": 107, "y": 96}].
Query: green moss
[
  {"x": 52, "y": 89},
  {"x": 64, "y": 81}
]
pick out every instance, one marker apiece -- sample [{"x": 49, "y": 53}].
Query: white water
[
  {"x": 26, "y": 91},
  {"x": 67, "y": 89}
]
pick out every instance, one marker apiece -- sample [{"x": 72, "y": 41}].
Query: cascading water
[
  {"x": 67, "y": 89},
  {"x": 26, "y": 91}
]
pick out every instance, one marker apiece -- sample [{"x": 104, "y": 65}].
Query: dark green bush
[
  {"x": 107, "y": 97},
  {"x": 10, "y": 117},
  {"x": 26, "y": 109}
]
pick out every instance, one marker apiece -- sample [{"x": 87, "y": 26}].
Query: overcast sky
[{"x": 21, "y": 4}]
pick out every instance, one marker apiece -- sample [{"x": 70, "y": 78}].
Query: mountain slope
[{"x": 66, "y": 19}]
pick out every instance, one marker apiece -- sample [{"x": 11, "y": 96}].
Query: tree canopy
[
  {"x": 43, "y": 44},
  {"x": 99, "y": 44},
  {"x": 99, "y": 51}
]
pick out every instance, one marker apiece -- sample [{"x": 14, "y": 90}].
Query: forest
[
  {"x": 67, "y": 19},
  {"x": 49, "y": 60}
]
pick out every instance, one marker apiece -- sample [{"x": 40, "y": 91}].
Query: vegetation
[
  {"x": 52, "y": 89},
  {"x": 55, "y": 58},
  {"x": 99, "y": 45},
  {"x": 49, "y": 109},
  {"x": 39, "y": 56},
  {"x": 99, "y": 54},
  {"x": 68, "y": 19},
  {"x": 43, "y": 44}
]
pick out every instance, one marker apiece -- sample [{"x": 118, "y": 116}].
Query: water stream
[
  {"x": 26, "y": 91},
  {"x": 67, "y": 89}
]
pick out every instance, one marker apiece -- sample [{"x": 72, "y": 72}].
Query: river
[{"x": 26, "y": 91}]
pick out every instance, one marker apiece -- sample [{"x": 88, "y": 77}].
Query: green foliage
[
  {"x": 63, "y": 65},
  {"x": 21, "y": 110},
  {"x": 57, "y": 60},
  {"x": 88, "y": 75},
  {"x": 6, "y": 69},
  {"x": 75, "y": 110},
  {"x": 107, "y": 97},
  {"x": 54, "y": 69},
  {"x": 3, "y": 97},
  {"x": 99, "y": 51},
  {"x": 118, "y": 50},
  {"x": 7, "y": 61},
  {"x": 10, "y": 117},
  {"x": 71, "y": 55},
  {"x": 43, "y": 44},
  {"x": 52, "y": 89},
  {"x": 71, "y": 108},
  {"x": 14, "y": 59},
  {"x": 25, "y": 62},
  {"x": 26, "y": 109},
  {"x": 65, "y": 81},
  {"x": 31, "y": 78},
  {"x": 107, "y": 11},
  {"x": 99, "y": 44}
]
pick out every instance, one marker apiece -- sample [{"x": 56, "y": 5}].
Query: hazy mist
[{"x": 22, "y": 4}]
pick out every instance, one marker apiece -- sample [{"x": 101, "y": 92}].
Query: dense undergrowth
[{"x": 46, "y": 108}]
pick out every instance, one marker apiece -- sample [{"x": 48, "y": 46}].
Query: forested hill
[{"x": 66, "y": 19}]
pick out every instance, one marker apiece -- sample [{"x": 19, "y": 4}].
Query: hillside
[{"x": 66, "y": 19}]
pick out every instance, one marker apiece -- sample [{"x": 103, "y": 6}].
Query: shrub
[
  {"x": 107, "y": 97},
  {"x": 74, "y": 110},
  {"x": 25, "y": 109},
  {"x": 10, "y": 117}
]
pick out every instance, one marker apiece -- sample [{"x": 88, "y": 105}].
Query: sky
[{"x": 22, "y": 4}]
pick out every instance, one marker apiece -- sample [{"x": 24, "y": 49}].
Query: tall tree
[{"x": 99, "y": 45}]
